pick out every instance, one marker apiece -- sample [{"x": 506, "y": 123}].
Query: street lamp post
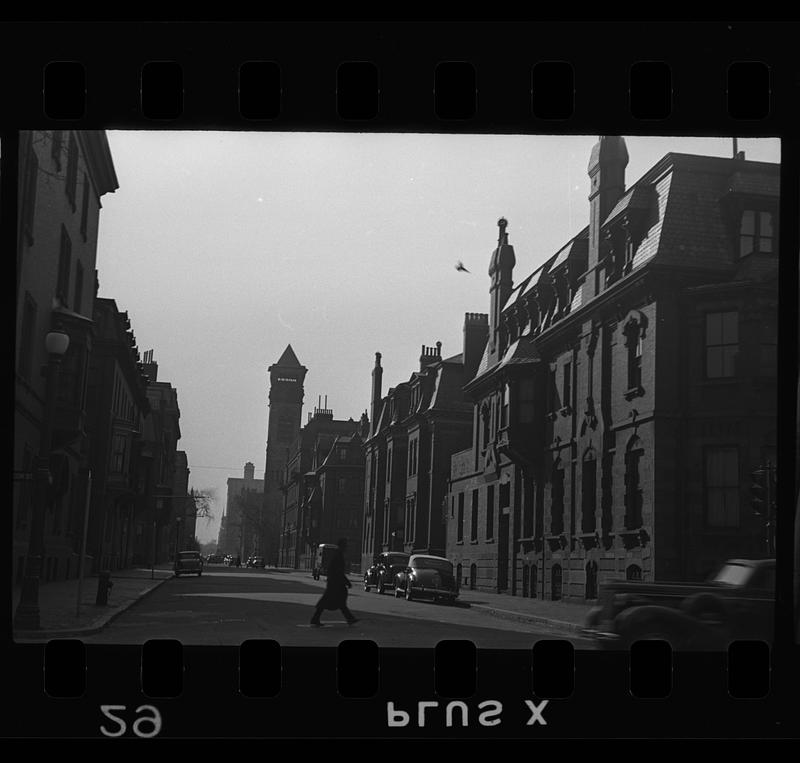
[
  {"x": 178, "y": 544},
  {"x": 26, "y": 616}
]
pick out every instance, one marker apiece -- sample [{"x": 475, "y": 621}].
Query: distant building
[
  {"x": 63, "y": 174},
  {"x": 285, "y": 412},
  {"x": 323, "y": 487},
  {"x": 628, "y": 388},
  {"x": 117, "y": 407},
  {"x": 183, "y": 506},
  {"x": 243, "y": 518},
  {"x": 415, "y": 430}
]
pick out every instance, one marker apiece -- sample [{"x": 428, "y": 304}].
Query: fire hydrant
[{"x": 104, "y": 586}]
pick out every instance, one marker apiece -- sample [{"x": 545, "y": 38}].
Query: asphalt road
[{"x": 226, "y": 606}]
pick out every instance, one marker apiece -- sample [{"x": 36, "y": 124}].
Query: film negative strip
[{"x": 487, "y": 667}]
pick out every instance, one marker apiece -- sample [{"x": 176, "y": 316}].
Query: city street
[{"x": 226, "y": 606}]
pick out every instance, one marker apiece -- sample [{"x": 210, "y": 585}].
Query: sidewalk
[{"x": 60, "y": 616}]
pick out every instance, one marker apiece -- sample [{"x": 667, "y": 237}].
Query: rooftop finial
[{"x": 502, "y": 223}]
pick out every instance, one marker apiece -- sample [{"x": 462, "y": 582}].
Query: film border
[{"x": 406, "y": 55}]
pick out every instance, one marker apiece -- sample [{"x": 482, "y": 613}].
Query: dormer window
[{"x": 756, "y": 233}]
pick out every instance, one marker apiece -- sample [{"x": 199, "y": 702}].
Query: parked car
[
  {"x": 371, "y": 575},
  {"x": 214, "y": 559},
  {"x": 736, "y": 602},
  {"x": 188, "y": 563},
  {"x": 258, "y": 561},
  {"x": 383, "y": 572},
  {"x": 427, "y": 577}
]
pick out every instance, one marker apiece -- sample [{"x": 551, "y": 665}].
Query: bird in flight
[{"x": 460, "y": 266}]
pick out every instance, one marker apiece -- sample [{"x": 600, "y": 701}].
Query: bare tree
[{"x": 203, "y": 500}]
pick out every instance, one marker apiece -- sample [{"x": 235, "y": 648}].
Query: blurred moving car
[
  {"x": 324, "y": 553},
  {"x": 383, "y": 572},
  {"x": 736, "y": 602},
  {"x": 428, "y": 577},
  {"x": 214, "y": 559},
  {"x": 258, "y": 561},
  {"x": 188, "y": 563}
]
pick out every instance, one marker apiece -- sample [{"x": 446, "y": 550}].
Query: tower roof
[{"x": 288, "y": 358}]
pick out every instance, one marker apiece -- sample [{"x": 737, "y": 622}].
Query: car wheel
[
  {"x": 177, "y": 574},
  {"x": 409, "y": 594},
  {"x": 199, "y": 574},
  {"x": 381, "y": 587}
]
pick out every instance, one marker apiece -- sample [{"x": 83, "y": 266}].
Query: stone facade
[
  {"x": 323, "y": 488},
  {"x": 416, "y": 428},
  {"x": 63, "y": 175},
  {"x": 628, "y": 388}
]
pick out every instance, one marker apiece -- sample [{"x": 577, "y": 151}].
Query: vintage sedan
[
  {"x": 736, "y": 603},
  {"x": 188, "y": 563},
  {"x": 383, "y": 572},
  {"x": 429, "y": 577},
  {"x": 371, "y": 575}
]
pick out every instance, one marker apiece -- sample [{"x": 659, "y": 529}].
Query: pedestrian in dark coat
[{"x": 335, "y": 596}]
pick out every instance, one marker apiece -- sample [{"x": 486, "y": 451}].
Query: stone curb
[
  {"x": 41, "y": 635},
  {"x": 506, "y": 614}
]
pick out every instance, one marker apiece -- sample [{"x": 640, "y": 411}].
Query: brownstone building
[
  {"x": 155, "y": 520},
  {"x": 415, "y": 430},
  {"x": 628, "y": 387},
  {"x": 323, "y": 488},
  {"x": 63, "y": 174},
  {"x": 117, "y": 408}
]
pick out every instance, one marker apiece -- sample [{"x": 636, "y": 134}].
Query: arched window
[
  {"x": 555, "y": 583},
  {"x": 486, "y": 420},
  {"x": 589, "y": 492},
  {"x": 633, "y": 572},
  {"x": 634, "y": 330},
  {"x": 557, "y": 499},
  {"x": 591, "y": 580},
  {"x": 633, "y": 489}
]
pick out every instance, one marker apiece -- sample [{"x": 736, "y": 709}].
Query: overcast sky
[{"x": 226, "y": 247}]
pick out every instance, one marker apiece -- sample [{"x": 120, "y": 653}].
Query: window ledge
[
  {"x": 633, "y": 392},
  {"x": 474, "y": 542}
]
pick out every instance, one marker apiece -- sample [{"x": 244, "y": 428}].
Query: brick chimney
[
  {"x": 430, "y": 355},
  {"x": 377, "y": 379},
  {"x": 249, "y": 471},
  {"x": 607, "y": 185},
  {"x": 149, "y": 366},
  {"x": 476, "y": 333}
]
